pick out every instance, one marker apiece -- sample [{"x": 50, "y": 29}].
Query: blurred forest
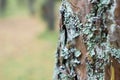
[{"x": 28, "y": 39}]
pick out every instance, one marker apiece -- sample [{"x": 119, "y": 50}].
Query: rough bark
[
  {"x": 115, "y": 42},
  {"x": 108, "y": 28},
  {"x": 116, "y": 33}
]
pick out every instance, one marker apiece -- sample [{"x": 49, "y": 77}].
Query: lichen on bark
[{"x": 84, "y": 47}]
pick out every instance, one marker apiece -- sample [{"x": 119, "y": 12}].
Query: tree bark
[{"x": 91, "y": 27}]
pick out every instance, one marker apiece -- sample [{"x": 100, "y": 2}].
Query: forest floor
[{"x": 27, "y": 50}]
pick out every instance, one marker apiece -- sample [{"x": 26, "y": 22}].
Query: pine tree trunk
[{"x": 89, "y": 43}]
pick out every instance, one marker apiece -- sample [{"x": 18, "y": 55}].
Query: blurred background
[{"x": 28, "y": 39}]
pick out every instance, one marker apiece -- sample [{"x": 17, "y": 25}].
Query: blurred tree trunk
[
  {"x": 3, "y": 4},
  {"x": 89, "y": 43},
  {"x": 48, "y": 13},
  {"x": 51, "y": 14},
  {"x": 31, "y": 6}
]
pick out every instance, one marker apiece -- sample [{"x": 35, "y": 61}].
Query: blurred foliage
[{"x": 15, "y": 7}]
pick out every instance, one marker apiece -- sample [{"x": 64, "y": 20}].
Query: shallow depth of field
[{"x": 27, "y": 46}]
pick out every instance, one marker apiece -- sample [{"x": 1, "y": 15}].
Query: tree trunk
[
  {"x": 48, "y": 14},
  {"x": 3, "y": 5},
  {"x": 89, "y": 43}
]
